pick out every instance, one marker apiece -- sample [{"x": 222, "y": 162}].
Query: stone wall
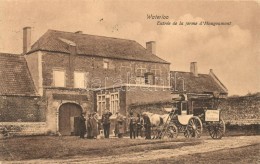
[
  {"x": 241, "y": 110},
  {"x": 56, "y": 97},
  {"x": 237, "y": 110},
  {"x": 23, "y": 128}
]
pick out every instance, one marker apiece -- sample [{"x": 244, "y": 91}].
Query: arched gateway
[{"x": 68, "y": 114}]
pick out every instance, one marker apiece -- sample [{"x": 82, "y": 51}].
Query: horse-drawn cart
[{"x": 182, "y": 120}]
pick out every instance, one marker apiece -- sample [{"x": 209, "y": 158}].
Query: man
[
  {"x": 132, "y": 125},
  {"x": 82, "y": 126},
  {"x": 140, "y": 124},
  {"x": 106, "y": 122},
  {"x": 147, "y": 126}
]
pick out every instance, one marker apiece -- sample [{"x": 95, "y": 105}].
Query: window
[
  {"x": 182, "y": 108},
  {"x": 79, "y": 80},
  {"x": 59, "y": 78},
  {"x": 140, "y": 71},
  {"x": 114, "y": 102},
  {"x": 105, "y": 65},
  {"x": 101, "y": 103},
  {"x": 149, "y": 78},
  {"x": 140, "y": 80}
]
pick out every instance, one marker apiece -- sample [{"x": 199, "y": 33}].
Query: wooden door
[{"x": 66, "y": 112}]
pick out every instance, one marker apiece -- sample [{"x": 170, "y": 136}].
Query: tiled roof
[
  {"x": 59, "y": 41},
  {"x": 15, "y": 78},
  {"x": 203, "y": 83}
]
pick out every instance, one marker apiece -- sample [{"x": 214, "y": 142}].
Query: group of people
[
  {"x": 92, "y": 125},
  {"x": 91, "y": 128},
  {"x": 137, "y": 125}
]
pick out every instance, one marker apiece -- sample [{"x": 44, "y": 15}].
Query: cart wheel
[
  {"x": 172, "y": 132},
  {"x": 217, "y": 129},
  {"x": 194, "y": 128},
  {"x": 187, "y": 134}
]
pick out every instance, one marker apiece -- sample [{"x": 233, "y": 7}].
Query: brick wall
[
  {"x": 132, "y": 96},
  {"x": 147, "y": 95},
  {"x": 116, "y": 72},
  {"x": 21, "y": 108}
]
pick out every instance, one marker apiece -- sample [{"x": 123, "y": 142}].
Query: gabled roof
[
  {"x": 92, "y": 45},
  {"x": 15, "y": 78},
  {"x": 203, "y": 83}
]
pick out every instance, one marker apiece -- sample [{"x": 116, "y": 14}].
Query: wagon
[{"x": 191, "y": 123}]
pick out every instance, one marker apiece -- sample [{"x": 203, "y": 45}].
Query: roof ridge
[
  {"x": 96, "y": 45},
  {"x": 91, "y": 35},
  {"x": 190, "y": 72}
]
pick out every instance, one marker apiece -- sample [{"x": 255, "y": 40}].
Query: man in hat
[
  {"x": 132, "y": 125},
  {"x": 140, "y": 124},
  {"x": 106, "y": 122},
  {"x": 82, "y": 126}
]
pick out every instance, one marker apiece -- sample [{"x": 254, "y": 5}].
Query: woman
[
  {"x": 119, "y": 125},
  {"x": 95, "y": 125}
]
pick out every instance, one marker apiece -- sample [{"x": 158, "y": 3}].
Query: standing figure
[
  {"x": 147, "y": 126},
  {"x": 132, "y": 125},
  {"x": 90, "y": 126},
  {"x": 119, "y": 128},
  {"x": 106, "y": 122},
  {"x": 82, "y": 126},
  {"x": 95, "y": 125},
  {"x": 140, "y": 125}
]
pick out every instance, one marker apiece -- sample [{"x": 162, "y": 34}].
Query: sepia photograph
[{"x": 133, "y": 81}]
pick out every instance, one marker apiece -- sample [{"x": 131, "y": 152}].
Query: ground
[{"x": 51, "y": 149}]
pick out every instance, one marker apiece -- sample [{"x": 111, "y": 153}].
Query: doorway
[{"x": 68, "y": 114}]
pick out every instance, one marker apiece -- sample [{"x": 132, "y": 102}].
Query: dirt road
[{"x": 207, "y": 145}]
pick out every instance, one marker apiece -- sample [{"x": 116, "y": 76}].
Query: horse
[{"x": 156, "y": 119}]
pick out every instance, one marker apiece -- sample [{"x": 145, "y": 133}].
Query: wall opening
[{"x": 68, "y": 119}]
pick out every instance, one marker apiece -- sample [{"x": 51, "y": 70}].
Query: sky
[{"x": 232, "y": 51}]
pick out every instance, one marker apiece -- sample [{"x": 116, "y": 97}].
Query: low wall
[
  {"x": 235, "y": 110},
  {"x": 23, "y": 128}
]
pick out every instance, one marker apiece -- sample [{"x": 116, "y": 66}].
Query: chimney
[
  {"x": 26, "y": 39},
  {"x": 78, "y": 32},
  {"x": 151, "y": 47},
  {"x": 194, "y": 68}
]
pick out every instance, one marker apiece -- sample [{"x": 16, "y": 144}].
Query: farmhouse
[
  {"x": 64, "y": 74},
  {"x": 198, "y": 90}
]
